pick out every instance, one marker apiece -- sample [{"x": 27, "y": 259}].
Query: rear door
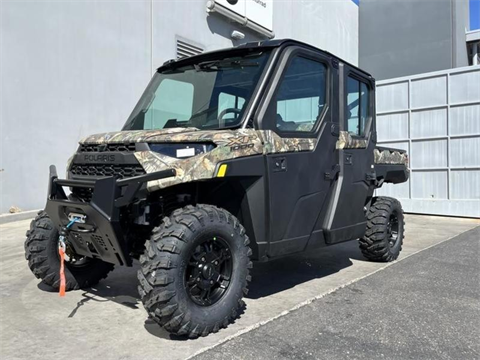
[
  {"x": 354, "y": 150},
  {"x": 298, "y": 109}
]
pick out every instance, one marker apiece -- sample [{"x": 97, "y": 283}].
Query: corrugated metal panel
[
  {"x": 185, "y": 49},
  {"x": 465, "y": 184},
  {"x": 428, "y": 123},
  {"x": 394, "y": 97},
  {"x": 392, "y": 126},
  {"x": 429, "y": 184},
  {"x": 464, "y": 120},
  {"x": 464, "y": 87},
  {"x": 428, "y": 92},
  {"x": 436, "y": 118},
  {"x": 427, "y": 154}
]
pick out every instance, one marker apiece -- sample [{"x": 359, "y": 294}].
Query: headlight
[{"x": 182, "y": 150}]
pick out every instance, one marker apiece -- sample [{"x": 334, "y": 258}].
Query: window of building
[
  {"x": 473, "y": 53},
  {"x": 358, "y": 110},
  {"x": 301, "y": 96}
]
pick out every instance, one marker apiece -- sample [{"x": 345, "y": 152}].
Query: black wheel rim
[
  {"x": 209, "y": 271},
  {"x": 392, "y": 230}
]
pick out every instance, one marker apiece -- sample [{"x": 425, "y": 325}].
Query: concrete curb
[{"x": 24, "y": 215}]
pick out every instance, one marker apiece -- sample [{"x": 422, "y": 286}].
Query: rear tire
[
  {"x": 180, "y": 259},
  {"x": 41, "y": 251},
  {"x": 383, "y": 238}
]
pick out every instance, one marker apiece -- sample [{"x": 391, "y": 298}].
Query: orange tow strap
[
  {"x": 62, "y": 272},
  {"x": 61, "y": 250}
]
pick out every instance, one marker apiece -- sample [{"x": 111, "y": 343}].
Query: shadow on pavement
[
  {"x": 267, "y": 279},
  {"x": 284, "y": 273},
  {"x": 86, "y": 297},
  {"x": 47, "y": 288},
  {"x": 120, "y": 286},
  {"x": 154, "y": 329}
]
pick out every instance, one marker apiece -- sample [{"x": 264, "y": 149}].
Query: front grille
[
  {"x": 107, "y": 147},
  {"x": 120, "y": 171},
  {"x": 84, "y": 194}
]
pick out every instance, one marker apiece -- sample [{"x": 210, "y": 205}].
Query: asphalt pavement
[{"x": 425, "y": 307}]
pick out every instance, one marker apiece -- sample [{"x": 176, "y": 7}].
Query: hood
[
  {"x": 234, "y": 140},
  {"x": 134, "y": 136}
]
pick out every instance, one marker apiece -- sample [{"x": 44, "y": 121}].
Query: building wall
[
  {"x": 401, "y": 38},
  {"x": 330, "y": 25},
  {"x": 436, "y": 118},
  {"x": 67, "y": 69},
  {"x": 73, "y": 68},
  {"x": 461, "y": 23}
]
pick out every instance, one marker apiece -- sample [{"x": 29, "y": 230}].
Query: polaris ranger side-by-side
[{"x": 243, "y": 154}]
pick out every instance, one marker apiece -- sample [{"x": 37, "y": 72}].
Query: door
[
  {"x": 353, "y": 189},
  {"x": 298, "y": 110}
]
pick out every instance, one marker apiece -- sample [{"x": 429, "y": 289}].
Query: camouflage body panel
[
  {"x": 132, "y": 136},
  {"x": 388, "y": 156},
  {"x": 200, "y": 167},
  {"x": 230, "y": 144},
  {"x": 275, "y": 144},
  {"x": 346, "y": 141}
]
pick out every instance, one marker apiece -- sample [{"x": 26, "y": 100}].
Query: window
[
  {"x": 358, "y": 110},
  {"x": 301, "y": 96},
  {"x": 230, "y": 102},
  {"x": 173, "y": 100},
  {"x": 209, "y": 94}
]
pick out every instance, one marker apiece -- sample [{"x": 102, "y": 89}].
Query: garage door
[{"x": 436, "y": 118}]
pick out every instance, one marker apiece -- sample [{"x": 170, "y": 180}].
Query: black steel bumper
[{"x": 102, "y": 235}]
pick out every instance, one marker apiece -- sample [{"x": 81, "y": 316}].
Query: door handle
[
  {"x": 279, "y": 164},
  {"x": 330, "y": 175},
  {"x": 348, "y": 159}
]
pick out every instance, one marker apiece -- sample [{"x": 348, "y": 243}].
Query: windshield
[{"x": 206, "y": 95}]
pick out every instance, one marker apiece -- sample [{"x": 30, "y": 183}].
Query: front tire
[
  {"x": 383, "y": 238},
  {"x": 195, "y": 271},
  {"x": 41, "y": 251}
]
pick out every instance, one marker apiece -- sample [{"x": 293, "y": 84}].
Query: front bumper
[{"x": 102, "y": 235}]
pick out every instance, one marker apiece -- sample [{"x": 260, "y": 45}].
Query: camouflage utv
[{"x": 249, "y": 153}]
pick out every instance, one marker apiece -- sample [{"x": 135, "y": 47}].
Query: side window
[
  {"x": 229, "y": 101},
  {"x": 301, "y": 96},
  {"x": 169, "y": 103},
  {"x": 358, "y": 109}
]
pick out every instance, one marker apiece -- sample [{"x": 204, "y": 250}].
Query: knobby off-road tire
[
  {"x": 166, "y": 279},
  {"x": 41, "y": 251},
  {"x": 383, "y": 238}
]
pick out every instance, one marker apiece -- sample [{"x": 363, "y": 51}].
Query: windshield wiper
[{"x": 225, "y": 63}]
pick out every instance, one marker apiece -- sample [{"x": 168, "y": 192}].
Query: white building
[{"x": 73, "y": 68}]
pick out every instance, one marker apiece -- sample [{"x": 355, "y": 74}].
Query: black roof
[{"x": 252, "y": 46}]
